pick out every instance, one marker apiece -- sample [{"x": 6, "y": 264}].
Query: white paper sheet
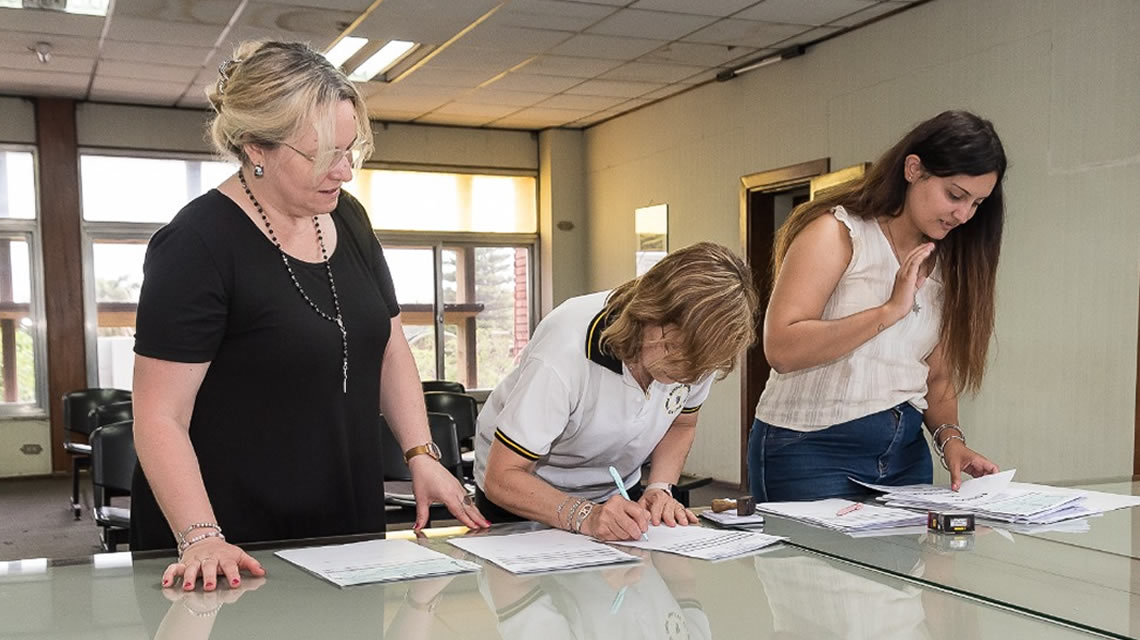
[
  {"x": 826, "y": 513},
  {"x": 546, "y": 550},
  {"x": 374, "y": 561},
  {"x": 702, "y": 542}
]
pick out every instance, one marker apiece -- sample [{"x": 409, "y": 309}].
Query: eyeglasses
[{"x": 352, "y": 154}]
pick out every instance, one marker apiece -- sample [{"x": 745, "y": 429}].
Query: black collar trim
[{"x": 594, "y": 350}]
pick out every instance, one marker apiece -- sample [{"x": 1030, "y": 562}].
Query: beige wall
[
  {"x": 561, "y": 201},
  {"x": 17, "y": 120},
  {"x": 25, "y": 447},
  {"x": 1057, "y": 79}
]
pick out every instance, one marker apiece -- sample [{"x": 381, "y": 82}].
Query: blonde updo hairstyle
[{"x": 269, "y": 91}]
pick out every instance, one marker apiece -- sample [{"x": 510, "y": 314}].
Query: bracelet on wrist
[
  {"x": 667, "y": 487},
  {"x": 188, "y": 542},
  {"x": 942, "y": 427}
]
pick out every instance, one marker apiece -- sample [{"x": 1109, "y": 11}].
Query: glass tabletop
[
  {"x": 785, "y": 592},
  {"x": 1090, "y": 578}
]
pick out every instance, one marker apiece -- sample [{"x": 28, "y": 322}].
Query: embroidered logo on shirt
[{"x": 676, "y": 398}]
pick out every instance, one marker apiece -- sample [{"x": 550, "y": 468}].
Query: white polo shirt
[{"x": 576, "y": 410}]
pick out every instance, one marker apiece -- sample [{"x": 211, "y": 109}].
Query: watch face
[{"x": 433, "y": 450}]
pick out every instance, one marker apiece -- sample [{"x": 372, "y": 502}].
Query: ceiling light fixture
[
  {"x": 42, "y": 51},
  {"x": 344, "y": 49},
  {"x": 382, "y": 60},
  {"x": 81, "y": 7},
  {"x": 783, "y": 54}
]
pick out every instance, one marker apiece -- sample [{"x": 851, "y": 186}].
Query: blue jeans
[{"x": 887, "y": 447}]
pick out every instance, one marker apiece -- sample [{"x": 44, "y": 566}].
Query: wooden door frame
[{"x": 754, "y": 367}]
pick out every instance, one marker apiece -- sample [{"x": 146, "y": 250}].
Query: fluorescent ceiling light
[
  {"x": 82, "y": 7},
  {"x": 344, "y": 49},
  {"x": 382, "y": 60}
]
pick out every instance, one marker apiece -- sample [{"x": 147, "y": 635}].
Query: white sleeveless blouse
[{"x": 885, "y": 371}]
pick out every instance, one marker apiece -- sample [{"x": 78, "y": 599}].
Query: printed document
[
  {"x": 346, "y": 565},
  {"x": 701, "y": 542},
  {"x": 546, "y": 550}
]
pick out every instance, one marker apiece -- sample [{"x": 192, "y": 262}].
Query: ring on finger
[{"x": 468, "y": 501}]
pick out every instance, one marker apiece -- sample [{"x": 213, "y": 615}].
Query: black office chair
[
  {"x": 398, "y": 477},
  {"x": 79, "y": 419},
  {"x": 113, "y": 462},
  {"x": 463, "y": 409},
  {"x": 443, "y": 385}
]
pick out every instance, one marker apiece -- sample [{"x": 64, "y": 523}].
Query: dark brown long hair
[
  {"x": 951, "y": 143},
  {"x": 705, "y": 290}
]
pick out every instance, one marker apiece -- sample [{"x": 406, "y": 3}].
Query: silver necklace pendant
[
  {"x": 337, "y": 319},
  {"x": 916, "y": 308}
]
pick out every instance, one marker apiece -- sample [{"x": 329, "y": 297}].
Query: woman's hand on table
[
  {"x": 207, "y": 560},
  {"x": 664, "y": 508},
  {"x": 432, "y": 483}
]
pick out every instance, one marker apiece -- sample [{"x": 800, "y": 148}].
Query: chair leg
[{"x": 75, "y": 486}]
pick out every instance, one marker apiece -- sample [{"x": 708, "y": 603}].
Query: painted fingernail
[
  {"x": 209, "y": 585},
  {"x": 166, "y": 582},
  {"x": 187, "y": 585},
  {"x": 235, "y": 582}
]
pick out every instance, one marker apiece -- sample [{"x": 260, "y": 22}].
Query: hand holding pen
[{"x": 618, "y": 519}]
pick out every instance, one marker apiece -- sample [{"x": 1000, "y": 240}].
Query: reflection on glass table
[
  {"x": 1084, "y": 579},
  {"x": 785, "y": 592}
]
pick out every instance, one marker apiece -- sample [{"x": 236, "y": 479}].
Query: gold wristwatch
[{"x": 430, "y": 448}]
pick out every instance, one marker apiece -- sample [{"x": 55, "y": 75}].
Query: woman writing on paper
[
  {"x": 881, "y": 313},
  {"x": 614, "y": 379}
]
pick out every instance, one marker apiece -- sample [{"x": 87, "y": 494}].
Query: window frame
[
  {"x": 98, "y": 231},
  {"x": 30, "y": 231}
]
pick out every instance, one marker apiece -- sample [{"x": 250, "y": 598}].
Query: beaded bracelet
[
  {"x": 571, "y": 511},
  {"x": 558, "y": 511},
  {"x": 198, "y": 525},
  {"x": 185, "y": 544}
]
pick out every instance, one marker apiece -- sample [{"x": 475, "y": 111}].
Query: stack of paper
[
  {"x": 374, "y": 561},
  {"x": 844, "y": 515},
  {"x": 699, "y": 542},
  {"x": 997, "y": 497},
  {"x": 731, "y": 520},
  {"x": 546, "y": 550}
]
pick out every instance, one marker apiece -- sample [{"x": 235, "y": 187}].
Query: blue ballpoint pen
[{"x": 625, "y": 494}]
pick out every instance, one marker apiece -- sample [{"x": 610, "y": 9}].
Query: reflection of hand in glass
[
  {"x": 192, "y": 613},
  {"x": 415, "y": 617}
]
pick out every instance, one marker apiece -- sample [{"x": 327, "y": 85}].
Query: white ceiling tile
[
  {"x": 19, "y": 41},
  {"x": 325, "y": 23},
  {"x": 157, "y": 53},
  {"x": 701, "y": 7},
  {"x": 586, "y": 103},
  {"x": 199, "y": 11},
  {"x": 596, "y": 46},
  {"x": 650, "y": 24},
  {"x": 652, "y": 72},
  {"x": 551, "y": 14},
  {"x": 158, "y": 31},
  {"x": 666, "y": 91},
  {"x": 422, "y": 104},
  {"x": 867, "y": 14},
  {"x": 809, "y": 36},
  {"x": 813, "y": 12},
  {"x": 51, "y": 22},
  {"x": 747, "y": 33},
  {"x": 614, "y": 88},
  {"x": 392, "y": 115},
  {"x": 147, "y": 72},
  {"x": 570, "y": 66},
  {"x": 357, "y": 6},
  {"x": 476, "y": 59},
  {"x": 135, "y": 90},
  {"x": 487, "y": 112},
  {"x": 26, "y": 60},
  {"x": 701, "y": 55},
  {"x": 457, "y": 78},
  {"x": 44, "y": 83},
  {"x": 453, "y": 119},
  {"x": 534, "y": 83},
  {"x": 426, "y": 21},
  {"x": 551, "y": 115},
  {"x": 514, "y": 38},
  {"x": 507, "y": 98}
]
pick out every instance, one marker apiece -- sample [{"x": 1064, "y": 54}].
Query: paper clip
[{"x": 849, "y": 508}]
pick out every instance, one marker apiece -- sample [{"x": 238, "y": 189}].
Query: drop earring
[{"x": 258, "y": 171}]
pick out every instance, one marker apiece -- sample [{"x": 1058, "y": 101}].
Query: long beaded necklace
[{"x": 338, "y": 319}]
